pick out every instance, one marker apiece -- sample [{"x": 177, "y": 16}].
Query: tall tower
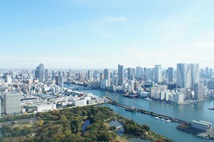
[
  {"x": 120, "y": 74},
  {"x": 131, "y": 73},
  {"x": 138, "y": 72},
  {"x": 46, "y": 75},
  {"x": 194, "y": 74},
  {"x": 60, "y": 79},
  {"x": 53, "y": 74},
  {"x": 39, "y": 72},
  {"x": 183, "y": 75},
  {"x": 90, "y": 75},
  {"x": 199, "y": 91},
  {"x": 149, "y": 74},
  {"x": 107, "y": 77},
  {"x": 187, "y": 75},
  {"x": 0, "y": 107},
  {"x": 170, "y": 75},
  {"x": 158, "y": 74}
]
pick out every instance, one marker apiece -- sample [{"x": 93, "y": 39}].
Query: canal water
[
  {"x": 85, "y": 125},
  {"x": 189, "y": 112},
  {"x": 116, "y": 124}
]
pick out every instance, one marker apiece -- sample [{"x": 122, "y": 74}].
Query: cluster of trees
[
  {"x": 15, "y": 132},
  {"x": 131, "y": 127},
  {"x": 66, "y": 126},
  {"x": 9, "y": 132},
  {"x": 18, "y": 117}
]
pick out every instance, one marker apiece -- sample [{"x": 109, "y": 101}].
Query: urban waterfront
[{"x": 189, "y": 112}]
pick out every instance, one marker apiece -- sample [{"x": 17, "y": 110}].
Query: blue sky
[{"x": 104, "y": 33}]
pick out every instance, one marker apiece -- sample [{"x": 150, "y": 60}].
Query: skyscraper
[
  {"x": 90, "y": 75},
  {"x": 149, "y": 74},
  {"x": 187, "y": 75},
  {"x": 131, "y": 73},
  {"x": 138, "y": 72},
  {"x": 199, "y": 91},
  {"x": 39, "y": 72},
  {"x": 183, "y": 76},
  {"x": 12, "y": 103},
  {"x": 46, "y": 75},
  {"x": 158, "y": 74},
  {"x": 107, "y": 77},
  {"x": 0, "y": 107},
  {"x": 194, "y": 74},
  {"x": 53, "y": 74},
  {"x": 120, "y": 74},
  {"x": 170, "y": 75},
  {"x": 60, "y": 79}
]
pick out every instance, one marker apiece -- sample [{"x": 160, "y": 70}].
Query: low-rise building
[
  {"x": 79, "y": 102},
  {"x": 201, "y": 125},
  {"x": 12, "y": 103},
  {"x": 45, "y": 107}
]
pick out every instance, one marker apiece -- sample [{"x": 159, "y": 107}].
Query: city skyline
[{"x": 94, "y": 34}]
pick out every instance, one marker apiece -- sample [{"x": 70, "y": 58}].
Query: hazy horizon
[{"x": 102, "y": 34}]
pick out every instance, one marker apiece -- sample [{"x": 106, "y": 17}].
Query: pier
[{"x": 161, "y": 116}]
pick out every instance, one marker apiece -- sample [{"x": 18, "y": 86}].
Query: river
[{"x": 189, "y": 112}]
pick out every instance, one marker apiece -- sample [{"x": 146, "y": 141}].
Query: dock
[{"x": 161, "y": 116}]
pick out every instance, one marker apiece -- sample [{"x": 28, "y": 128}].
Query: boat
[
  {"x": 211, "y": 108},
  {"x": 167, "y": 121},
  {"x": 148, "y": 99},
  {"x": 157, "y": 117},
  {"x": 132, "y": 108},
  {"x": 129, "y": 95},
  {"x": 203, "y": 135}
]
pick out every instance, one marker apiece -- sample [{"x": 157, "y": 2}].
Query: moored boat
[
  {"x": 129, "y": 95},
  {"x": 211, "y": 108}
]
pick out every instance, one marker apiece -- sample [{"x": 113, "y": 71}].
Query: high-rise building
[
  {"x": 12, "y": 103},
  {"x": 115, "y": 80},
  {"x": 194, "y": 74},
  {"x": 53, "y": 74},
  {"x": 210, "y": 84},
  {"x": 199, "y": 91},
  {"x": 107, "y": 77},
  {"x": 170, "y": 75},
  {"x": 120, "y": 75},
  {"x": 130, "y": 86},
  {"x": 187, "y": 75},
  {"x": 183, "y": 76},
  {"x": 95, "y": 74},
  {"x": 60, "y": 79},
  {"x": 138, "y": 72},
  {"x": 8, "y": 79},
  {"x": 0, "y": 107},
  {"x": 207, "y": 70},
  {"x": 46, "y": 75},
  {"x": 39, "y": 72},
  {"x": 158, "y": 74},
  {"x": 101, "y": 76},
  {"x": 131, "y": 73},
  {"x": 90, "y": 75},
  {"x": 149, "y": 74}
]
